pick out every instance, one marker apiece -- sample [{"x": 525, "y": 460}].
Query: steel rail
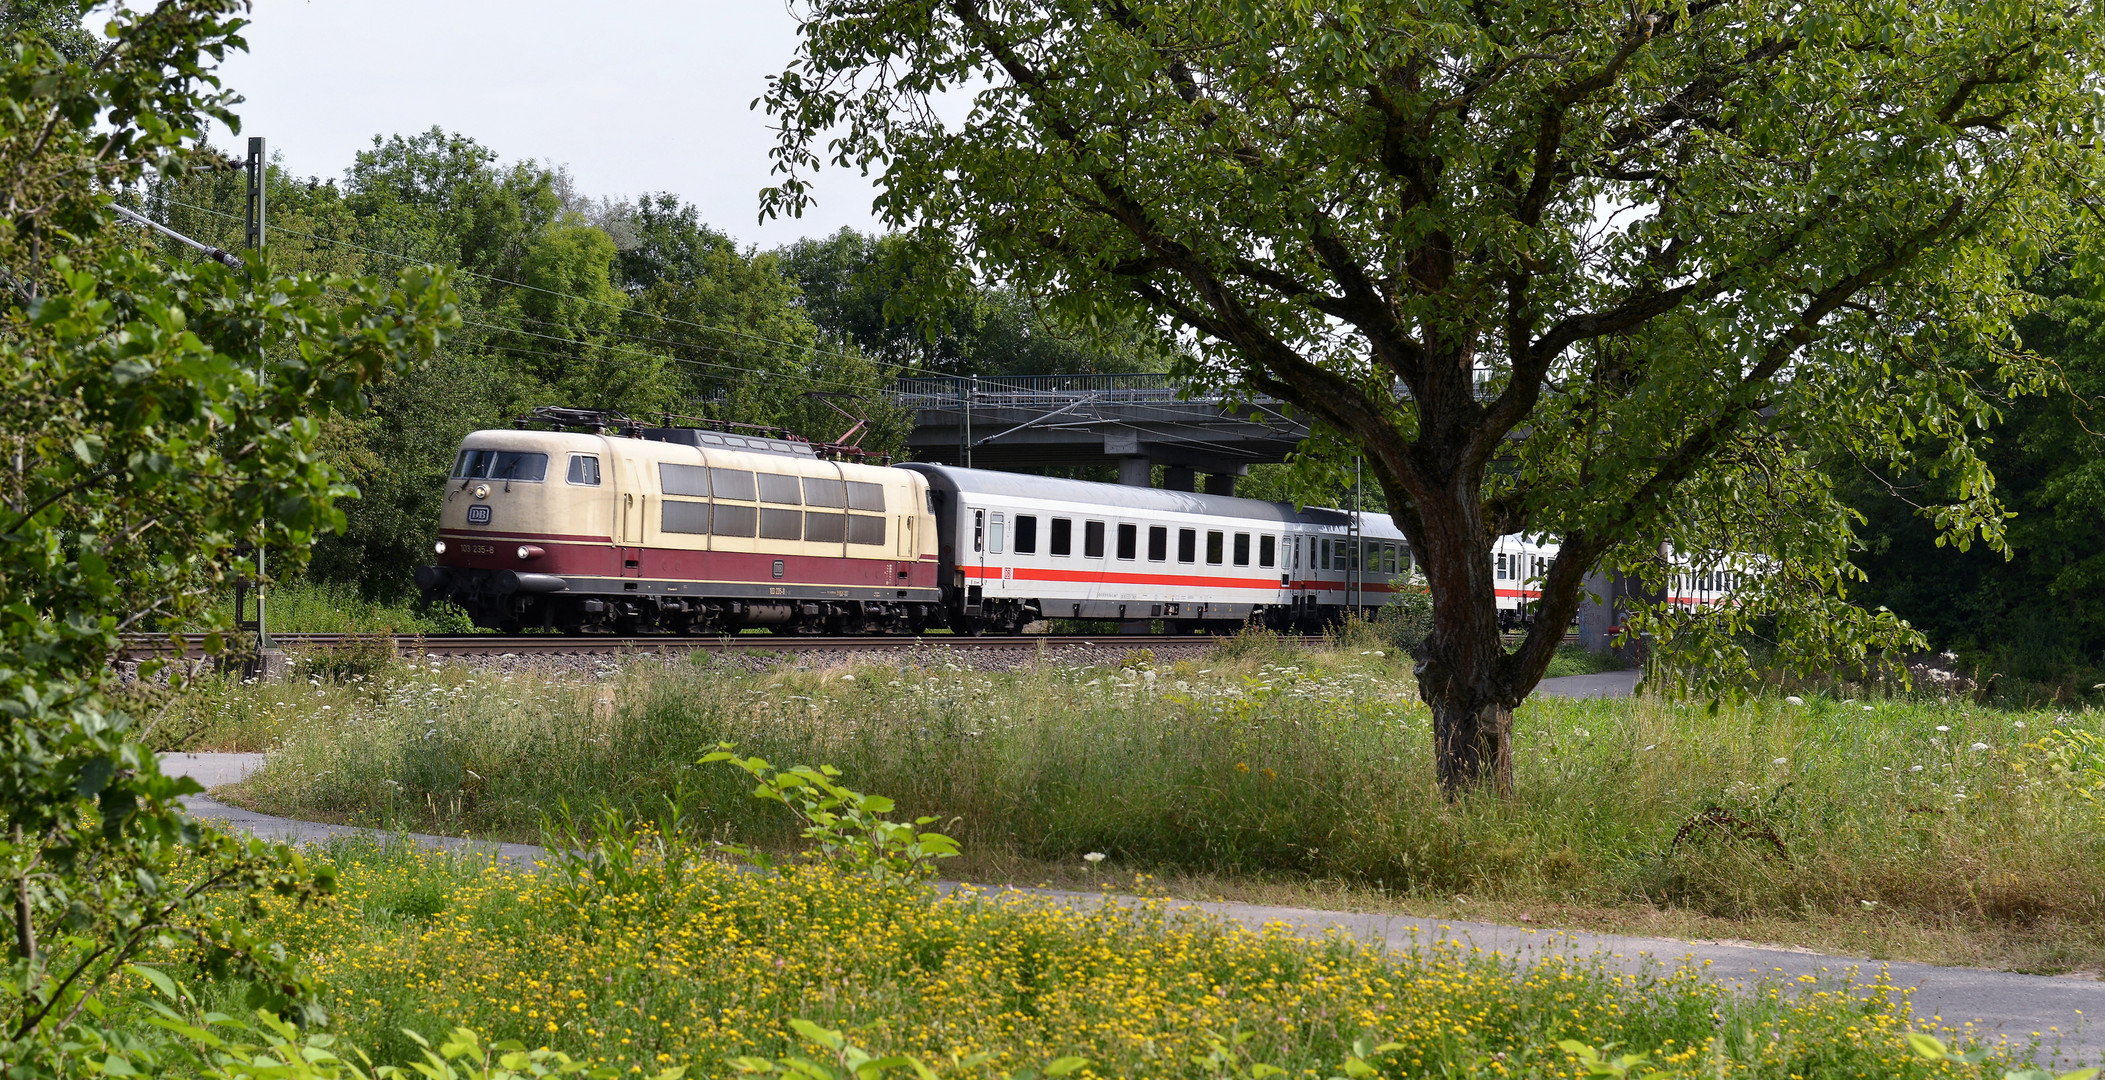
[{"x": 146, "y": 646}]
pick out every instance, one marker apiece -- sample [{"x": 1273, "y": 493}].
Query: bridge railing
[{"x": 1024, "y": 390}]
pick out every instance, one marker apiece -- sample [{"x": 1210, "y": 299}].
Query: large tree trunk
[{"x": 1462, "y": 677}]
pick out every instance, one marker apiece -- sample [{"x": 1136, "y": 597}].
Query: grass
[
  {"x": 690, "y": 962},
  {"x": 1267, "y": 773},
  {"x": 318, "y": 607}
]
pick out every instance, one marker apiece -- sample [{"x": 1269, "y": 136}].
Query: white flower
[
  {"x": 1781, "y": 761},
  {"x": 2018, "y": 724},
  {"x": 1917, "y": 768},
  {"x": 1652, "y": 746},
  {"x": 1094, "y": 857},
  {"x": 847, "y": 678},
  {"x": 1944, "y": 727},
  {"x": 1867, "y": 708},
  {"x": 1980, "y": 746},
  {"x": 1794, "y": 700}
]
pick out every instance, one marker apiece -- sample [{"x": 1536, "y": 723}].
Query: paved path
[
  {"x": 1606, "y": 684},
  {"x": 1999, "y": 1004}
]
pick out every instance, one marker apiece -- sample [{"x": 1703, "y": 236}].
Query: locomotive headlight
[
  {"x": 482, "y": 491},
  {"x": 439, "y": 548}
]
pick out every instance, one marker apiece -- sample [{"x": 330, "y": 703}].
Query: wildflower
[
  {"x": 1094, "y": 857},
  {"x": 1781, "y": 761},
  {"x": 1980, "y": 746},
  {"x": 1917, "y": 768},
  {"x": 1944, "y": 727},
  {"x": 1794, "y": 700}
]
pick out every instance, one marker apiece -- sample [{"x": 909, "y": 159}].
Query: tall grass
[
  {"x": 1260, "y": 761},
  {"x": 321, "y": 607}
]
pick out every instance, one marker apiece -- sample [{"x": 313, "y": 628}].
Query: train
[{"x": 598, "y": 524}]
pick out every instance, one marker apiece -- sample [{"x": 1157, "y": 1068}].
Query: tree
[
  {"x": 863, "y": 289},
  {"x": 1603, "y": 270},
  {"x": 155, "y": 417}
]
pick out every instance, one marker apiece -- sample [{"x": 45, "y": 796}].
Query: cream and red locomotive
[{"x": 620, "y": 528}]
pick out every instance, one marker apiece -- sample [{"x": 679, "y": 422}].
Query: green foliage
[
  {"x": 1931, "y": 1048},
  {"x": 934, "y": 319},
  {"x": 845, "y": 827},
  {"x": 154, "y": 419},
  {"x": 1624, "y": 275}
]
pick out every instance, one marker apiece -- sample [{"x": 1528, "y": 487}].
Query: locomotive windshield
[{"x": 500, "y": 465}]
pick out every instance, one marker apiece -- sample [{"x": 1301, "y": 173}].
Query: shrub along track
[{"x": 1066, "y": 648}]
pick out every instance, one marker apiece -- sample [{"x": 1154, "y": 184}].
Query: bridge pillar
[
  {"x": 1136, "y": 472},
  {"x": 1220, "y": 483},
  {"x": 1180, "y": 478}
]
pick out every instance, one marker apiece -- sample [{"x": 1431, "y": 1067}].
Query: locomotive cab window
[
  {"x": 1158, "y": 543},
  {"x": 1267, "y": 550},
  {"x": 1214, "y": 548},
  {"x": 1242, "y": 549},
  {"x": 1187, "y": 545},
  {"x": 1026, "y": 534},
  {"x": 501, "y": 465},
  {"x": 1092, "y": 540},
  {"x": 1062, "y": 536},
  {"x": 1128, "y": 541},
  {"x": 584, "y": 470}
]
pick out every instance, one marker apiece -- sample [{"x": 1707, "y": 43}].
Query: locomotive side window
[
  {"x": 1214, "y": 548},
  {"x": 1267, "y": 550},
  {"x": 1158, "y": 543},
  {"x": 1026, "y": 534},
  {"x": 1062, "y": 536},
  {"x": 781, "y": 524},
  {"x": 672, "y": 479},
  {"x": 1242, "y": 549},
  {"x": 726, "y": 519},
  {"x": 684, "y": 517},
  {"x": 997, "y": 533},
  {"x": 735, "y": 484},
  {"x": 821, "y": 491},
  {"x": 865, "y": 496},
  {"x": 865, "y": 529},
  {"x": 1092, "y": 540},
  {"x": 777, "y": 488},
  {"x": 824, "y": 528},
  {"x": 1128, "y": 541},
  {"x": 1187, "y": 545},
  {"x": 584, "y": 469}
]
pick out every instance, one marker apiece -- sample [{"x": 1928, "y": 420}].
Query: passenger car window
[
  {"x": 997, "y": 534},
  {"x": 1158, "y": 543},
  {"x": 1026, "y": 534},
  {"x": 1213, "y": 548},
  {"x": 1062, "y": 536},
  {"x": 1093, "y": 540},
  {"x": 1267, "y": 550},
  {"x": 776, "y": 488},
  {"x": 1187, "y": 545},
  {"x": 1242, "y": 549},
  {"x": 584, "y": 469},
  {"x": 1128, "y": 541}
]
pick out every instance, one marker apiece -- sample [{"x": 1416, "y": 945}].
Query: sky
[{"x": 630, "y": 95}]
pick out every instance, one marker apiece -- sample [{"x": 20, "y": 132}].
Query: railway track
[{"x": 142, "y": 646}]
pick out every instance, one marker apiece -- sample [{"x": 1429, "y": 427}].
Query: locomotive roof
[{"x": 1125, "y": 496}]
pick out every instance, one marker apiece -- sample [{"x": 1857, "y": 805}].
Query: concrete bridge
[{"x": 1137, "y": 422}]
